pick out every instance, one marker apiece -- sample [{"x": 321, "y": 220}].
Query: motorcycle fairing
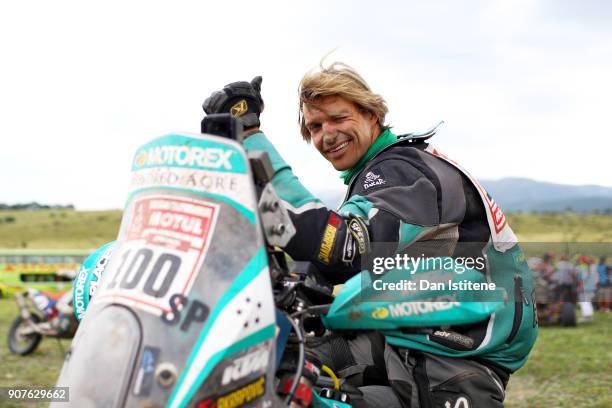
[
  {"x": 359, "y": 306},
  {"x": 183, "y": 185}
]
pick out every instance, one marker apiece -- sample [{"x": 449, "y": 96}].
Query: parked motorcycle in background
[{"x": 40, "y": 315}]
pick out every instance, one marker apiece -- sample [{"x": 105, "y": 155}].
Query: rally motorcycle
[
  {"x": 197, "y": 307},
  {"x": 40, "y": 316}
]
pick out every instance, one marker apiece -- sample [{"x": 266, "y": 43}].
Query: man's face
[{"x": 340, "y": 131}]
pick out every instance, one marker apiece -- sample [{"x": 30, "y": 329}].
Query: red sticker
[
  {"x": 161, "y": 253},
  {"x": 334, "y": 219}
]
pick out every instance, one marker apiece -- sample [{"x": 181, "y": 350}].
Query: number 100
[{"x": 138, "y": 267}]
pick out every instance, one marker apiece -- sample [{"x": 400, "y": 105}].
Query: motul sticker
[{"x": 162, "y": 250}]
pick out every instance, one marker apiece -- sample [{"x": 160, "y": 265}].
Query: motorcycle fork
[{"x": 24, "y": 310}]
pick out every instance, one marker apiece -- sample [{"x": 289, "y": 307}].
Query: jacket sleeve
[{"x": 375, "y": 221}]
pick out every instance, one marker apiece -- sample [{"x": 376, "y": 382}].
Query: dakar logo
[
  {"x": 239, "y": 109},
  {"x": 372, "y": 180},
  {"x": 380, "y": 313}
]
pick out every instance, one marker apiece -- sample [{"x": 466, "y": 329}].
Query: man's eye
[
  {"x": 314, "y": 127},
  {"x": 339, "y": 119}
]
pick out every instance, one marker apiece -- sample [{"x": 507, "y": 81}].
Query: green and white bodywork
[{"x": 184, "y": 313}]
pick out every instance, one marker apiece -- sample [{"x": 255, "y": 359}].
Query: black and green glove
[{"x": 240, "y": 99}]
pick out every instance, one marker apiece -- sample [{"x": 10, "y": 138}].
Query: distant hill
[
  {"x": 527, "y": 195},
  {"x": 522, "y": 194},
  {"x": 35, "y": 206}
]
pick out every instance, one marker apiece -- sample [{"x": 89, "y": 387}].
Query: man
[
  {"x": 566, "y": 279},
  {"x": 401, "y": 192}
]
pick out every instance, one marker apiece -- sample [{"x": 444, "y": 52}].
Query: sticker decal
[
  {"x": 197, "y": 312},
  {"x": 359, "y": 231},
  {"x": 144, "y": 375},
  {"x": 380, "y": 313},
  {"x": 453, "y": 337},
  {"x": 329, "y": 237},
  {"x": 237, "y": 398},
  {"x": 190, "y": 156},
  {"x": 98, "y": 270},
  {"x": 163, "y": 248},
  {"x": 246, "y": 365}
]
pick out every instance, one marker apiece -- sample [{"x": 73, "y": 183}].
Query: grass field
[
  {"x": 50, "y": 229},
  {"x": 566, "y": 227},
  {"x": 569, "y": 367}
]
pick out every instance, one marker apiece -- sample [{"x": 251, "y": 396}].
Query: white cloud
[{"x": 524, "y": 89}]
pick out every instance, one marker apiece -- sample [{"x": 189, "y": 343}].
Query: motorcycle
[
  {"x": 197, "y": 307},
  {"x": 40, "y": 316}
]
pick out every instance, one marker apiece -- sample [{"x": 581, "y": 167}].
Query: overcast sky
[{"x": 523, "y": 86}]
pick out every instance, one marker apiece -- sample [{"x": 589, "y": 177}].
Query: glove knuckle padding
[{"x": 241, "y": 99}]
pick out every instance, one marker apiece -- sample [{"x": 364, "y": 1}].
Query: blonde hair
[{"x": 341, "y": 80}]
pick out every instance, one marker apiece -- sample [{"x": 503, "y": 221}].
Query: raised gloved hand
[{"x": 240, "y": 99}]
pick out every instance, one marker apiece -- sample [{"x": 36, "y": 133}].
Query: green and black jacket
[{"x": 410, "y": 197}]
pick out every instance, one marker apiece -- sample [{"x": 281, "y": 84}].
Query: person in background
[
  {"x": 565, "y": 278},
  {"x": 544, "y": 275},
  {"x": 587, "y": 284},
  {"x": 604, "y": 289}
]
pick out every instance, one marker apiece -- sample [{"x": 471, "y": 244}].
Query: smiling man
[
  {"x": 340, "y": 130},
  {"x": 403, "y": 194}
]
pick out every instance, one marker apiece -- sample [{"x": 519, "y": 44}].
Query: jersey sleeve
[{"x": 340, "y": 242}]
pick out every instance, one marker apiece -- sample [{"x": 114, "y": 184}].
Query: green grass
[
  {"x": 568, "y": 367},
  {"x": 561, "y": 227},
  {"x": 50, "y": 229}
]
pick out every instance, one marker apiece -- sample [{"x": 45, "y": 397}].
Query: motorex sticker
[{"x": 189, "y": 152}]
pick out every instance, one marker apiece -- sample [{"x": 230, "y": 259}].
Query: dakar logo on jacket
[{"x": 372, "y": 180}]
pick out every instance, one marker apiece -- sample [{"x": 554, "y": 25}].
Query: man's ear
[
  {"x": 374, "y": 122},
  {"x": 372, "y": 118}
]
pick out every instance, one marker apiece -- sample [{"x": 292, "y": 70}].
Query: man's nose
[
  {"x": 328, "y": 128},
  {"x": 329, "y": 133},
  {"x": 329, "y": 139}
]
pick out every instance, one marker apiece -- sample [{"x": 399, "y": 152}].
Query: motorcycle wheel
[{"x": 22, "y": 345}]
